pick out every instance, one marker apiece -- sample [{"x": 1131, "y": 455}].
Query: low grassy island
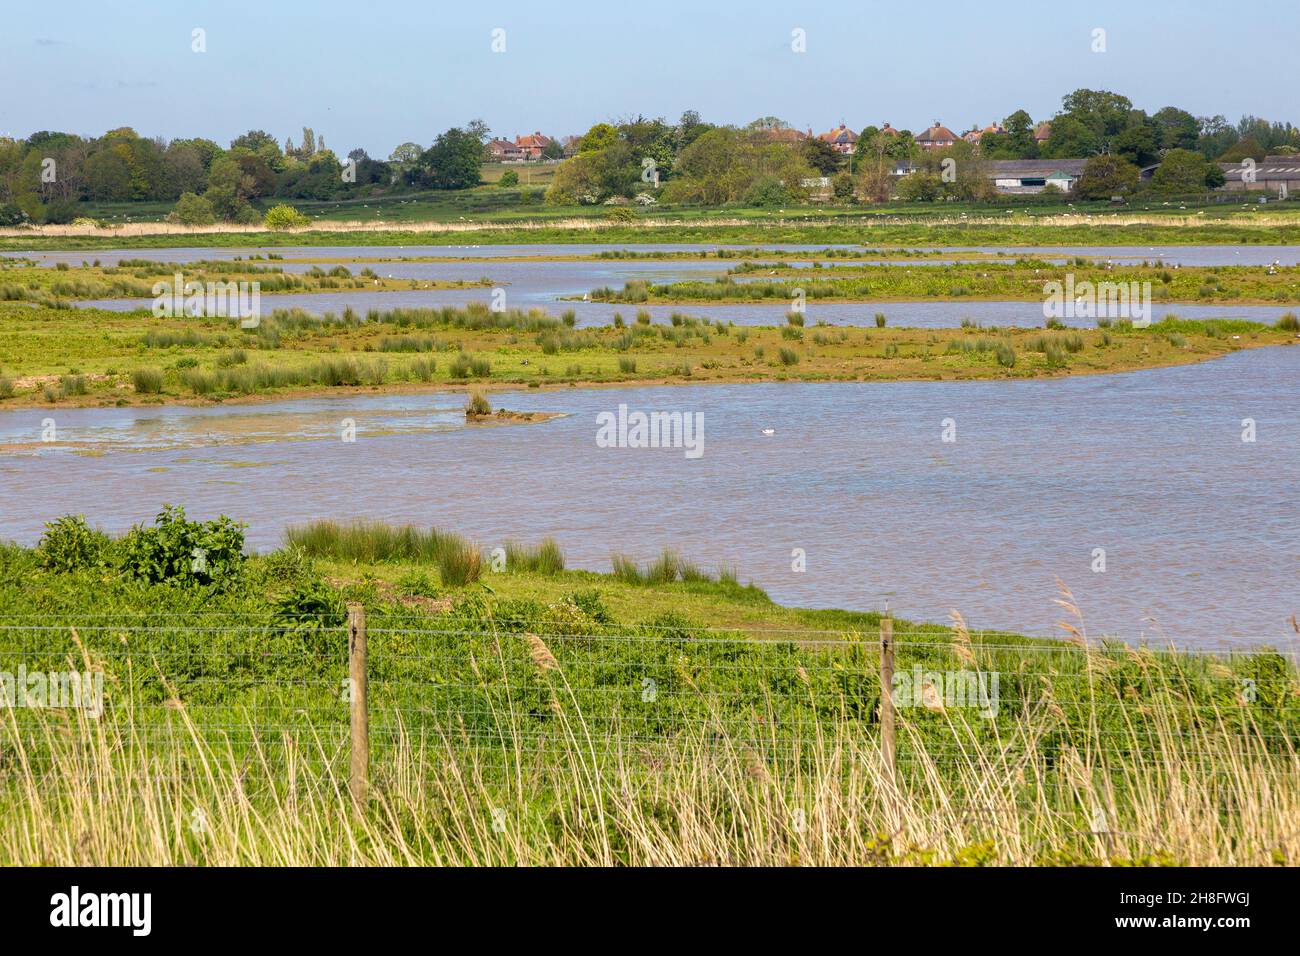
[
  {"x": 53, "y": 356},
  {"x": 525, "y": 713}
]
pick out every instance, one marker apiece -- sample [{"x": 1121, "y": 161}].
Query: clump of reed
[
  {"x": 458, "y": 561},
  {"x": 668, "y": 568},
  {"x": 147, "y": 381},
  {"x": 542, "y": 558},
  {"x": 466, "y": 366}
]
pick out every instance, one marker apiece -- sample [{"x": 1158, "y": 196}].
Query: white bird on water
[{"x": 769, "y": 431}]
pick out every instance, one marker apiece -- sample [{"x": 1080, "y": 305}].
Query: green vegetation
[
  {"x": 87, "y": 357},
  {"x": 1023, "y": 279},
  {"x": 661, "y": 700}
]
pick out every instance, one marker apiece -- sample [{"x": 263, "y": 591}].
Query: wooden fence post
[
  {"x": 359, "y": 777},
  {"x": 888, "y": 738}
]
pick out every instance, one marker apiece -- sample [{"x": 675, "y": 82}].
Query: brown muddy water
[{"x": 1200, "y": 529}]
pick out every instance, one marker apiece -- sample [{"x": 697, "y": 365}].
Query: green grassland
[
  {"x": 492, "y": 214},
  {"x": 86, "y": 356},
  {"x": 1022, "y": 280},
  {"x": 659, "y": 714}
]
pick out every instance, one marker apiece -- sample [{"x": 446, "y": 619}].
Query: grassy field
[
  {"x": 92, "y": 357},
  {"x": 491, "y": 214},
  {"x": 21, "y": 281},
  {"x": 1023, "y": 280},
  {"x": 664, "y": 714}
]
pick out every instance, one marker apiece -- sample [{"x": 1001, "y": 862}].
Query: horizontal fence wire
[{"x": 270, "y": 693}]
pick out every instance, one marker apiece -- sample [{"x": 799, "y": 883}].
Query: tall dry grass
[{"x": 114, "y": 792}]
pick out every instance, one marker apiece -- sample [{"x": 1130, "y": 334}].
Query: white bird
[{"x": 769, "y": 431}]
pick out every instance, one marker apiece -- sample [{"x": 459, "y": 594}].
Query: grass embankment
[
  {"x": 89, "y": 357},
  {"x": 1023, "y": 280},
  {"x": 918, "y": 225},
  {"x": 21, "y": 281},
  {"x": 543, "y": 716}
]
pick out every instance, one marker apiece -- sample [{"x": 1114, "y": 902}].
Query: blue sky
[{"x": 378, "y": 74}]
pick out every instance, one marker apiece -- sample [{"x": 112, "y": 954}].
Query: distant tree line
[
  {"x": 641, "y": 160},
  {"x": 769, "y": 163},
  {"x": 43, "y": 177}
]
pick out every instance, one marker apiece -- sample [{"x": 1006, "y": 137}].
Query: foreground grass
[
  {"x": 52, "y": 356},
  {"x": 543, "y": 716}
]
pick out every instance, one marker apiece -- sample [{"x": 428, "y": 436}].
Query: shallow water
[
  {"x": 558, "y": 286},
  {"x": 924, "y": 315},
  {"x": 1200, "y": 255},
  {"x": 1200, "y": 529}
]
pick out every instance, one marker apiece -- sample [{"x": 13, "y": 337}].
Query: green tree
[
  {"x": 1105, "y": 176},
  {"x": 192, "y": 210},
  {"x": 821, "y": 156},
  {"x": 1139, "y": 141},
  {"x": 454, "y": 161},
  {"x": 1178, "y": 129},
  {"x": 1181, "y": 171},
  {"x": 600, "y": 136}
]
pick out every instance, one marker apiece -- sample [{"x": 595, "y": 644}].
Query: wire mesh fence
[{"x": 265, "y": 691}]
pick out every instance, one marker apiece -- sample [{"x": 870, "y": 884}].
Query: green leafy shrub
[
  {"x": 282, "y": 217},
  {"x": 69, "y": 544},
  {"x": 192, "y": 210},
  {"x": 185, "y": 552}
]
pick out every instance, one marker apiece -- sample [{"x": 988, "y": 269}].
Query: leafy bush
[
  {"x": 192, "y": 210},
  {"x": 11, "y": 214},
  {"x": 185, "y": 552},
  {"x": 60, "y": 212},
  {"x": 283, "y": 217},
  {"x": 69, "y": 544},
  {"x": 1289, "y": 323},
  {"x": 310, "y": 604},
  {"x": 767, "y": 191},
  {"x": 509, "y": 178},
  {"x": 478, "y": 406}
]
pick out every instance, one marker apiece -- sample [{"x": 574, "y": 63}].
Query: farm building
[
  {"x": 1272, "y": 174},
  {"x": 1033, "y": 175}
]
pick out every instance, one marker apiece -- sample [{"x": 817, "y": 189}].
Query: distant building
[
  {"x": 1041, "y": 132},
  {"x": 784, "y": 134},
  {"x": 532, "y": 145},
  {"x": 1272, "y": 173},
  {"x": 842, "y": 139},
  {"x": 1026, "y": 176},
  {"x": 504, "y": 151},
  {"x": 976, "y": 134},
  {"x": 936, "y": 137},
  {"x": 571, "y": 145}
]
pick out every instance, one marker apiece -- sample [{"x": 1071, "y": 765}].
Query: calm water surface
[{"x": 1201, "y": 530}]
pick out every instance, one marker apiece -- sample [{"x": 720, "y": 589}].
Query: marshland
[
  {"x": 524, "y": 713},
  {"x": 635, "y": 677}
]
